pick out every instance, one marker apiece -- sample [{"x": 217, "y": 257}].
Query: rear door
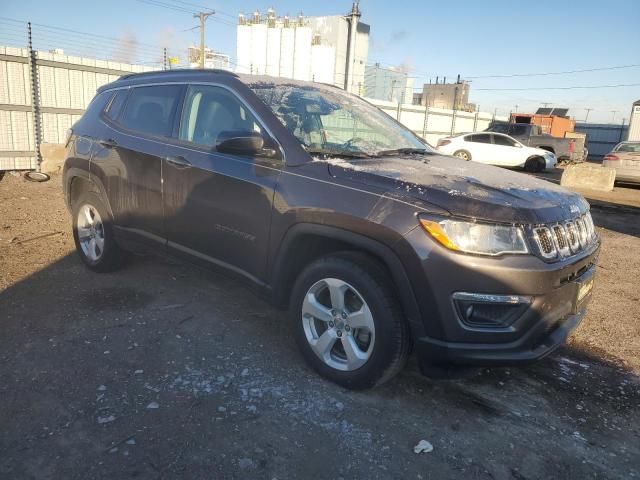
[
  {"x": 130, "y": 160},
  {"x": 218, "y": 206}
]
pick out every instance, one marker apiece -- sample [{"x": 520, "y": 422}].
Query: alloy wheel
[
  {"x": 90, "y": 232},
  {"x": 338, "y": 324}
]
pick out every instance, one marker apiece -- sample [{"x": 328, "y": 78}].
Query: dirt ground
[{"x": 166, "y": 371}]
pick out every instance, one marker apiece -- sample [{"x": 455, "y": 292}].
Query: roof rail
[{"x": 176, "y": 71}]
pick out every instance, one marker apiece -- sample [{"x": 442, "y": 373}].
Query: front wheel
[
  {"x": 535, "y": 165},
  {"x": 348, "y": 323},
  {"x": 93, "y": 234}
]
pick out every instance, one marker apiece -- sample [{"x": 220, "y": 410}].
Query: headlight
[{"x": 478, "y": 238}]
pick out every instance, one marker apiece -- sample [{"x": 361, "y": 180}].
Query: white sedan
[{"x": 497, "y": 149}]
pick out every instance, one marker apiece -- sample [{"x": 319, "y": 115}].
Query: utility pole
[
  {"x": 516, "y": 105},
  {"x": 202, "y": 16},
  {"x": 353, "y": 19},
  {"x": 613, "y": 116},
  {"x": 586, "y": 117},
  {"x": 545, "y": 104}
]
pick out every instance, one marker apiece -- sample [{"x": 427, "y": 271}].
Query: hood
[{"x": 464, "y": 188}]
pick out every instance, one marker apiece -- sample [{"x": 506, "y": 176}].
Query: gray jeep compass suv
[{"x": 375, "y": 243}]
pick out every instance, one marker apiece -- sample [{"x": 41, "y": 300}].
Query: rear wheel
[
  {"x": 348, "y": 323},
  {"x": 93, "y": 234},
  {"x": 463, "y": 154}
]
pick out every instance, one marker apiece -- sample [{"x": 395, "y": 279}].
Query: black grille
[
  {"x": 546, "y": 242},
  {"x": 561, "y": 237},
  {"x": 572, "y": 236},
  {"x": 582, "y": 232}
]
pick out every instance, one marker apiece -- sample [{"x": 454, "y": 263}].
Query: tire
[
  {"x": 463, "y": 154},
  {"x": 534, "y": 165},
  {"x": 108, "y": 256},
  {"x": 382, "y": 347}
]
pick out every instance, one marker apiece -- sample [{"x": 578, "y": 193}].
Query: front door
[
  {"x": 218, "y": 206},
  {"x": 480, "y": 147},
  {"x": 506, "y": 151}
]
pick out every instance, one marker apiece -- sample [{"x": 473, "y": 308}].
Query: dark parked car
[{"x": 376, "y": 243}]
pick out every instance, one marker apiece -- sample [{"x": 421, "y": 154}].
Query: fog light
[{"x": 480, "y": 310}]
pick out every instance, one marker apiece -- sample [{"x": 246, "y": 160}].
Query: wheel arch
[
  {"x": 77, "y": 180},
  {"x": 548, "y": 148},
  {"x": 304, "y": 243}
]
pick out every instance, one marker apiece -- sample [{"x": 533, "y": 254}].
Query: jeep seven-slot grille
[
  {"x": 545, "y": 240},
  {"x": 561, "y": 237},
  {"x": 572, "y": 236},
  {"x": 562, "y": 240}
]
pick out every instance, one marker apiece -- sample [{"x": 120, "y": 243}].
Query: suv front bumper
[
  {"x": 559, "y": 293},
  {"x": 529, "y": 348}
]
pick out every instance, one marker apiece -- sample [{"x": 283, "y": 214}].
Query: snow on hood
[{"x": 464, "y": 188}]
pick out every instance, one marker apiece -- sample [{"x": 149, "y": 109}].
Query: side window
[
  {"x": 97, "y": 104},
  {"x": 151, "y": 109},
  {"x": 210, "y": 110},
  {"x": 117, "y": 102},
  {"x": 479, "y": 138},
  {"x": 504, "y": 141},
  {"x": 518, "y": 130}
]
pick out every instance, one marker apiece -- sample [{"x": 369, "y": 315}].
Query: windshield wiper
[
  {"x": 397, "y": 151},
  {"x": 337, "y": 153}
]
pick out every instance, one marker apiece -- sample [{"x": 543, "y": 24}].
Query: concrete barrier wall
[
  {"x": 589, "y": 177},
  {"x": 432, "y": 123}
]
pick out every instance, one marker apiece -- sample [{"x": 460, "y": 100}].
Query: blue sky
[{"x": 472, "y": 38}]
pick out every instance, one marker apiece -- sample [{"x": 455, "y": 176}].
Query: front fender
[{"x": 361, "y": 243}]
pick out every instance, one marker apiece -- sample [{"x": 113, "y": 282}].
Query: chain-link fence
[{"x": 48, "y": 76}]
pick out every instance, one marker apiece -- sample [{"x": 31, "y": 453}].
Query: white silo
[
  {"x": 302, "y": 51},
  {"x": 287, "y": 44},
  {"x": 322, "y": 63},
  {"x": 273, "y": 44},
  {"x": 243, "y": 46},
  {"x": 258, "y": 45}
]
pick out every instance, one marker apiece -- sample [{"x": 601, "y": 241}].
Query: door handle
[
  {"x": 178, "y": 161},
  {"x": 109, "y": 143}
]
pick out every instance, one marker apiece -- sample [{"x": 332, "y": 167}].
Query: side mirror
[{"x": 240, "y": 142}]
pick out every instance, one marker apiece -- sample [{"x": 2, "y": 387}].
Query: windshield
[
  {"x": 330, "y": 122},
  {"x": 629, "y": 147}
]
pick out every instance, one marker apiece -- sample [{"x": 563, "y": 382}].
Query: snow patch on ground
[{"x": 256, "y": 389}]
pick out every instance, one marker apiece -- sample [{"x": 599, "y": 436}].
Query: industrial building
[
  {"x": 634, "y": 122},
  {"x": 390, "y": 84},
  {"x": 212, "y": 59},
  {"x": 331, "y": 49},
  {"x": 452, "y": 96}
]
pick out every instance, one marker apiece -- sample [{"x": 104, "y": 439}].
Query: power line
[
  {"x": 576, "y": 87},
  {"x": 196, "y": 5},
  {"x": 178, "y": 8},
  {"x": 157, "y": 3},
  {"x": 566, "y": 72}
]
